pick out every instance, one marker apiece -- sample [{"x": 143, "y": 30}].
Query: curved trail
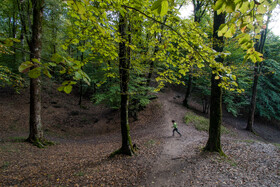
[
  {"x": 169, "y": 169},
  {"x": 182, "y": 163}
]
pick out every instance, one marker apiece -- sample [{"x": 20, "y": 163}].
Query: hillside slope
[{"x": 85, "y": 138}]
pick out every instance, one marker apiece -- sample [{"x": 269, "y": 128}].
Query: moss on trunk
[
  {"x": 39, "y": 142},
  {"x": 124, "y": 70},
  {"x": 214, "y": 140},
  {"x": 35, "y": 122}
]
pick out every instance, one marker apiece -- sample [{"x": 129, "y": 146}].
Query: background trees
[{"x": 82, "y": 47}]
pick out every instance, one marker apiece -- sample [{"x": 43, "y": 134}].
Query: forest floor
[{"x": 86, "y": 136}]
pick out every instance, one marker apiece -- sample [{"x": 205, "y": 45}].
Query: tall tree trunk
[
  {"x": 124, "y": 66},
  {"x": 251, "y": 116},
  {"x": 258, "y": 47},
  {"x": 35, "y": 121},
  {"x": 214, "y": 140},
  {"x": 22, "y": 45},
  {"x": 81, "y": 84}
]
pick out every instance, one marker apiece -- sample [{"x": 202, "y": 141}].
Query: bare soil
[{"x": 86, "y": 136}]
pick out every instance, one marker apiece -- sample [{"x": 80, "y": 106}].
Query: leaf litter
[{"x": 80, "y": 157}]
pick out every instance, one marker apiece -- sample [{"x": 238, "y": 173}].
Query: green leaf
[
  {"x": 122, "y": 12},
  {"x": 61, "y": 88},
  {"x": 67, "y": 89},
  {"x": 72, "y": 82},
  {"x": 9, "y": 42},
  {"x": 86, "y": 78},
  {"x": 261, "y": 9},
  {"x": 65, "y": 83},
  {"x": 64, "y": 47},
  {"x": 164, "y": 8},
  {"x": 244, "y": 39},
  {"x": 52, "y": 64},
  {"x": 62, "y": 71},
  {"x": 36, "y": 60},
  {"x": 47, "y": 73},
  {"x": 81, "y": 8},
  {"x": 25, "y": 66},
  {"x": 75, "y": 41},
  {"x": 35, "y": 73},
  {"x": 230, "y": 32},
  {"x": 223, "y": 29},
  {"x": 56, "y": 58},
  {"x": 244, "y": 7},
  {"x": 16, "y": 40},
  {"x": 156, "y": 5},
  {"x": 219, "y": 5},
  {"x": 230, "y": 7},
  {"x": 100, "y": 29},
  {"x": 78, "y": 75}
]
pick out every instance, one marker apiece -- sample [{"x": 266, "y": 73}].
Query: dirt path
[
  {"x": 168, "y": 169},
  {"x": 182, "y": 163},
  {"x": 87, "y": 136}
]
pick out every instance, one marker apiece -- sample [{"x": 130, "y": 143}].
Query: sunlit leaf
[{"x": 35, "y": 73}]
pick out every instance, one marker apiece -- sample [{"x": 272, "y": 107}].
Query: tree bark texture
[
  {"x": 214, "y": 140},
  {"x": 124, "y": 66},
  {"x": 35, "y": 121}
]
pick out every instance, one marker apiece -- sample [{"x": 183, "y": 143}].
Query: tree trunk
[
  {"x": 22, "y": 46},
  {"x": 35, "y": 122},
  {"x": 250, "y": 121},
  {"x": 214, "y": 140},
  {"x": 124, "y": 65},
  {"x": 81, "y": 85},
  {"x": 151, "y": 70},
  {"x": 258, "y": 47},
  {"x": 188, "y": 92}
]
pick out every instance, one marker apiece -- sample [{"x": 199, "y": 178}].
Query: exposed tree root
[
  {"x": 40, "y": 143},
  {"x": 130, "y": 151},
  {"x": 251, "y": 130},
  {"x": 220, "y": 151}
]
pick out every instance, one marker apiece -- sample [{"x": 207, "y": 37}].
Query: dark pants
[{"x": 175, "y": 129}]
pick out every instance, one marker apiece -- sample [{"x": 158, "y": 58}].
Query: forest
[{"x": 92, "y": 92}]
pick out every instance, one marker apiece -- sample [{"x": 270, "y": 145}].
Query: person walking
[{"x": 175, "y": 128}]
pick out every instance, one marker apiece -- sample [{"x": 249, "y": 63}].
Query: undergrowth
[
  {"x": 201, "y": 123},
  {"x": 277, "y": 145}
]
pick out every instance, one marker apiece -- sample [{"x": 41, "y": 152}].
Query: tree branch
[{"x": 168, "y": 26}]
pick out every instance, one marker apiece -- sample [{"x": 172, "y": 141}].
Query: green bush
[{"x": 201, "y": 123}]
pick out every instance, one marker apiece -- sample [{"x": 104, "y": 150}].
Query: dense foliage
[{"x": 81, "y": 44}]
